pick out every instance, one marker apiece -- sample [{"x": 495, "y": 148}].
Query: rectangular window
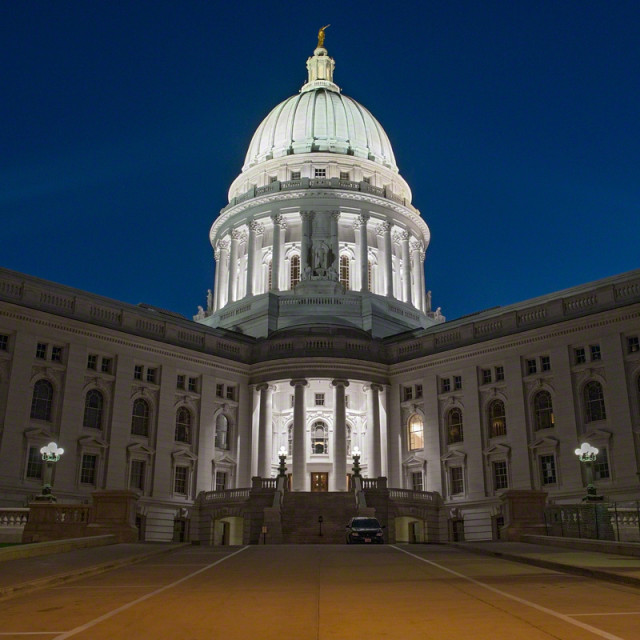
[
  {"x": 193, "y": 384},
  {"x": 633, "y": 344},
  {"x": 418, "y": 391},
  {"x": 221, "y": 480},
  {"x": 152, "y": 375},
  {"x": 445, "y": 385},
  {"x": 273, "y": 179},
  {"x": 88, "y": 469},
  {"x": 580, "y": 357},
  {"x": 366, "y": 180},
  {"x": 457, "y": 480},
  {"x": 500, "y": 480},
  {"x": 344, "y": 175},
  {"x": 531, "y": 367},
  {"x": 499, "y": 374},
  {"x": 92, "y": 362},
  {"x": 319, "y": 397},
  {"x": 320, "y": 173},
  {"x": 180, "y": 480},
  {"x": 56, "y": 354},
  {"x": 295, "y": 175},
  {"x": 136, "y": 479},
  {"x": 220, "y": 390},
  {"x": 407, "y": 393},
  {"x": 4, "y": 342},
  {"x": 548, "y": 469},
  {"x": 595, "y": 352},
  {"x": 106, "y": 365},
  {"x": 41, "y": 351},
  {"x": 34, "y": 463},
  {"x": 601, "y": 465},
  {"x": 180, "y": 380},
  {"x": 486, "y": 376},
  {"x": 137, "y": 372},
  {"x": 231, "y": 393},
  {"x": 416, "y": 481},
  {"x": 545, "y": 363},
  {"x": 457, "y": 382}
]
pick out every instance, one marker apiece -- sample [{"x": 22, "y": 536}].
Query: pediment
[
  {"x": 224, "y": 458},
  {"x": 38, "y": 433},
  {"x": 138, "y": 447},
  {"x": 595, "y": 434},
  {"x": 412, "y": 461},
  {"x": 503, "y": 449},
  {"x": 544, "y": 442},
  {"x": 183, "y": 454},
  {"x": 454, "y": 455},
  {"x": 92, "y": 441}
]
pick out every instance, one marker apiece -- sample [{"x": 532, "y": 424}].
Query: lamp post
[
  {"x": 587, "y": 454},
  {"x": 282, "y": 467},
  {"x": 355, "y": 454},
  {"x": 50, "y": 455}
]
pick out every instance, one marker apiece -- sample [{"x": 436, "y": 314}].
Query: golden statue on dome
[{"x": 321, "y": 36}]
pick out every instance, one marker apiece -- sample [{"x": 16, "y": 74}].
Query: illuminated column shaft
[
  {"x": 223, "y": 267},
  {"x": 375, "y": 459},
  {"x": 299, "y": 424},
  {"x": 265, "y": 429},
  {"x": 364, "y": 253},
  {"x": 423, "y": 292},
  {"x": 233, "y": 266},
  {"x": 406, "y": 267},
  {"x": 216, "y": 280},
  {"x": 278, "y": 227},
  {"x": 340, "y": 436},
  {"x": 251, "y": 256},
  {"x": 418, "y": 294}
]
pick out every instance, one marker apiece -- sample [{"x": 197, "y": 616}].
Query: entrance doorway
[{"x": 319, "y": 482}]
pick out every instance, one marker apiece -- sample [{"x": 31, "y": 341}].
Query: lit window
[
  {"x": 106, "y": 365},
  {"x": 344, "y": 271},
  {"x": 595, "y": 352},
  {"x": 457, "y": 383},
  {"x": 543, "y": 411},
  {"x": 594, "y": 402},
  {"x": 136, "y": 477},
  {"x": 222, "y": 432},
  {"x": 545, "y": 363},
  {"x": 580, "y": 356},
  {"x": 500, "y": 479},
  {"x": 221, "y": 480},
  {"x": 88, "y": 469},
  {"x": 56, "y": 354},
  {"x": 319, "y": 438},
  {"x": 41, "y": 351},
  {"x": 455, "y": 431},
  {"x": 416, "y": 432},
  {"x": 320, "y": 173},
  {"x": 294, "y": 271},
  {"x": 457, "y": 480},
  {"x": 548, "y": 469},
  {"x": 497, "y": 420},
  {"x": 531, "y": 367},
  {"x": 183, "y": 426},
  {"x": 633, "y": 344},
  {"x": 416, "y": 481},
  {"x": 499, "y": 374},
  {"x": 4, "y": 342},
  {"x": 42, "y": 400},
  {"x": 93, "y": 405},
  {"x": 445, "y": 385},
  {"x": 319, "y": 399},
  {"x": 486, "y": 376},
  {"x": 181, "y": 480},
  {"x": 152, "y": 375},
  {"x": 137, "y": 372},
  {"x": 140, "y": 418},
  {"x": 180, "y": 380},
  {"x": 34, "y": 463},
  {"x": 601, "y": 465}
]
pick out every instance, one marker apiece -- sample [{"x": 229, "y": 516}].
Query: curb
[
  {"x": 62, "y": 578},
  {"x": 584, "y": 572}
]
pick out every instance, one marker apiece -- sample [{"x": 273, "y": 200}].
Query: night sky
[{"x": 516, "y": 124}]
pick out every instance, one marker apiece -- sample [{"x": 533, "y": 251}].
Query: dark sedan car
[{"x": 364, "y": 531}]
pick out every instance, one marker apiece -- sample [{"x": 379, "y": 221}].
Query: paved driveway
[{"x": 310, "y": 592}]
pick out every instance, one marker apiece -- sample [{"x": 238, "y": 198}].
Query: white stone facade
[{"x": 348, "y": 354}]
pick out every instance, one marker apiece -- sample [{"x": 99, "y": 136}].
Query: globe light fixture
[
  {"x": 282, "y": 467},
  {"x": 588, "y": 454},
  {"x": 51, "y": 453},
  {"x": 355, "y": 453}
]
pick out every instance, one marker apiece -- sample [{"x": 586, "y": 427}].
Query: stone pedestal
[
  {"x": 114, "y": 512},
  {"x": 524, "y": 513}
]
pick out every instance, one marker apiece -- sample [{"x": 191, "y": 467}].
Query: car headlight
[
  {"x": 379, "y": 533},
  {"x": 353, "y": 533}
]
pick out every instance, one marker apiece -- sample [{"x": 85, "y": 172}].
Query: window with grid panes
[
  {"x": 543, "y": 411},
  {"x": 221, "y": 480},
  {"x": 457, "y": 383},
  {"x": 596, "y": 354},
  {"x": 416, "y": 481},
  {"x": 295, "y": 175},
  {"x": 594, "y": 402},
  {"x": 580, "y": 356},
  {"x": 545, "y": 363},
  {"x": 137, "y": 372},
  {"x": 222, "y": 432},
  {"x": 457, "y": 480},
  {"x": 416, "y": 432},
  {"x": 445, "y": 385},
  {"x": 531, "y": 366},
  {"x": 183, "y": 426},
  {"x": 497, "y": 419},
  {"x": 294, "y": 271},
  {"x": 88, "y": 468},
  {"x": 407, "y": 393},
  {"x": 34, "y": 463},
  {"x": 220, "y": 390},
  {"x": 106, "y": 365},
  {"x": 140, "y": 418},
  {"x": 633, "y": 344},
  {"x": 231, "y": 393},
  {"x": 601, "y": 465},
  {"x": 56, "y": 354},
  {"x": 500, "y": 479},
  {"x": 180, "y": 381},
  {"x": 136, "y": 478},
  {"x": 418, "y": 391},
  {"x": 455, "y": 431},
  {"x": 93, "y": 406},
  {"x": 41, "y": 351},
  {"x": 193, "y": 384},
  {"x": 320, "y": 173},
  {"x": 92, "y": 361},
  {"x": 319, "y": 399},
  {"x": 344, "y": 271},
  {"x": 486, "y": 376},
  {"x": 4, "y": 342},
  {"x": 42, "y": 400},
  {"x": 548, "y": 469},
  {"x": 152, "y": 375},
  {"x": 344, "y": 175},
  {"x": 499, "y": 374},
  {"x": 180, "y": 480}
]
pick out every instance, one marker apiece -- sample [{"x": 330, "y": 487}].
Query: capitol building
[{"x": 319, "y": 339}]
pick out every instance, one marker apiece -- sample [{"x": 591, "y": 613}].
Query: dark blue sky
[{"x": 515, "y": 123}]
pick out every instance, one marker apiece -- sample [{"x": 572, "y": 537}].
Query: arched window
[
  {"x": 222, "y": 432},
  {"x": 594, "y": 402},
  {"x": 140, "y": 418},
  {"x": 93, "y": 404},
  {"x": 183, "y": 425},
  {"x": 543, "y": 411},
  {"x": 319, "y": 438},
  {"x": 497, "y": 419},
  {"x": 348, "y": 441},
  {"x": 455, "y": 432},
  {"x": 416, "y": 432},
  {"x": 344, "y": 271},
  {"x": 269, "y": 275},
  {"x": 294, "y": 275},
  {"x": 42, "y": 400},
  {"x": 290, "y": 440}
]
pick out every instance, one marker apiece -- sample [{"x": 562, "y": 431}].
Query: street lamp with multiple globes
[
  {"x": 355, "y": 453},
  {"x": 282, "y": 467},
  {"x": 50, "y": 455},
  {"x": 588, "y": 454}
]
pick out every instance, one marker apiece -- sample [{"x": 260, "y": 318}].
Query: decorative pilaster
[
  {"x": 236, "y": 236},
  {"x": 423, "y": 303},
  {"x": 363, "y": 251},
  {"x": 340, "y": 436},
  {"x": 265, "y": 430},
  {"x": 418, "y": 287},
  {"x": 223, "y": 280},
  {"x": 255, "y": 228},
  {"x": 279, "y": 225},
  {"x": 299, "y": 425},
  {"x": 384, "y": 230},
  {"x": 406, "y": 266}
]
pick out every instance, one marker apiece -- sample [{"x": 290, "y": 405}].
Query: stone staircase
[{"x": 300, "y": 511}]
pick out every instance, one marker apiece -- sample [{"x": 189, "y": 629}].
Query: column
[
  {"x": 335, "y": 243},
  {"x": 418, "y": 289},
  {"x": 339, "y": 437},
  {"x": 223, "y": 266},
  {"x": 406, "y": 267},
  {"x": 305, "y": 242},
  {"x": 265, "y": 430},
  {"x": 384, "y": 231},
  {"x": 299, "y": 433},
  {"x": 375, "y": 460},
  {"x": 423, "y": 288},
  {"x": 251, "y": 256},
  {"x": 363, "y": 248},
  {"x": 233, "y": 265},
  {"x": 278, "y": 226},
  {"x": 216, "y": 279}
]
